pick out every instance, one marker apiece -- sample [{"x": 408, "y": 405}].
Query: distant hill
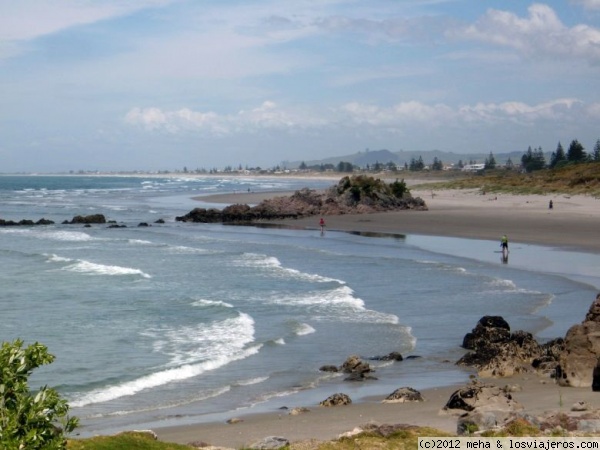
[{"x": 370, "y": 157}]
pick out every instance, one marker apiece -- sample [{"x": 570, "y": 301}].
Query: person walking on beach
[
  {"x": 322, "y": 225},
  {"x": 504, "y": 246}
]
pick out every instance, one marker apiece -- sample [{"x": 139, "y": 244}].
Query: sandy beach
[{"x": 571, "y": 223}]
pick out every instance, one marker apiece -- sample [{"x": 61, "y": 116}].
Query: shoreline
[
  {"x": 538, "y": 395},
  {"x": 571, "y": 224}
]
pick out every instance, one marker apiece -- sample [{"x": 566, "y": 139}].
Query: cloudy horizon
[{"x": 167, "y": 84}]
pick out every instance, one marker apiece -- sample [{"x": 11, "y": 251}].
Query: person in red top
[{"x": 322, "y": 224}]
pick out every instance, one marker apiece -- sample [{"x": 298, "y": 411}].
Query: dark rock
[
  {"x": 579, "y": 358},
  {"x": 338, "y": 399},
  {"x": 404, "y": 394},
  {"x": 356, "y": 195},
  {"x": 24, "y": 222},
  {"x": 159, "y": 221},
  {"x": 483, "y": 397},
  {"x": 92, "y": 218},
  {"x": 328, "y": 368},
  {"x": 489, "y": 329},
  {"x": 143, "y": 224},
  {"x": 354, "y": 364},
  {"x": 497, "y": 352},
  {"x": 394, "y": 356}
]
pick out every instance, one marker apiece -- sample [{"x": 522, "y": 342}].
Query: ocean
[{"x": 177, "y": 323}]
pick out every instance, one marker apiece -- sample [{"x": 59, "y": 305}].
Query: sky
[{"x": 118, "y": 85}]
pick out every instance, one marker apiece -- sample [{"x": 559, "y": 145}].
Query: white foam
[
  {"x": 304, "y": 329},
  {"x": 90, "y": 268},
  {"x": 279, "y": 341},
  {"x": 204, "y": 302},
  {"x": 192, "y": 351},
  {"x": 271, "y": 266},
  {"x": 251, "y": 381}
]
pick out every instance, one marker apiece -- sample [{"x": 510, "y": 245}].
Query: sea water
[{"x": 176, "y": 323}]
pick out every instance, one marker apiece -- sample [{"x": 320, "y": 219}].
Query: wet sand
[{"x": 573, "y": 222}]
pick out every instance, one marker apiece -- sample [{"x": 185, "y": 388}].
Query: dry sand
[{"x": 573, "y": 222}]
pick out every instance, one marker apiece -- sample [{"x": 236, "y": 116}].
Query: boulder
[
  {"x": 270, "y": 443},
  {"x": 482, "y": 397},
  {"x": 404, "y": 394},
  {"x": 354, "y": 364},
  {"x": 338, "y": 399},
  {"x": 496, "y": 351},
  {"x": 92, "y": 218},
  {"x": 581, "y": 351},
  {"x": 393, "y": 356}
]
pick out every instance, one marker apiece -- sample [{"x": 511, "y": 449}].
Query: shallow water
[{"x": 177, "y": 323}]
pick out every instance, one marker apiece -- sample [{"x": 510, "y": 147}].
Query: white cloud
[
  {"x": 541, "y": 34},
  {"x": 29, "y": 19},
  {"x": 588, "y": 4},
  {"x": 400, "y": 117}
]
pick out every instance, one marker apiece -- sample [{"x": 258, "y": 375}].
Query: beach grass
[
  {"x": 573, "y": 179},
  {"x": 124, "y": 441},
  {"x": 401, "y": 439}
]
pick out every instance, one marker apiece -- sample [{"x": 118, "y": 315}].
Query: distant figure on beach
[
  {"x": 322, "y": 225},
  {"x": 550, "y": 205},
  {"x": 504, "y": 246}
]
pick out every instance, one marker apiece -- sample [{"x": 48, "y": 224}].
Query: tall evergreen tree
[
  {"x": 596, "y": 154},
  {"x": 533, "y": 160},
  {"x": 490, "y": 162},
  {"x": 437, "y": 164},
  {"x": 557, "y": 156},
  {"x": 576, "y": 152}
]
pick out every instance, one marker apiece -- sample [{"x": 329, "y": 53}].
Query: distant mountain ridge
[{"x": 383, "y": 156}]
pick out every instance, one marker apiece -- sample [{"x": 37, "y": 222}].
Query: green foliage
[
  {"x": 344, "y": 166},
  {"x": 399, "y": 188},
  {"x": 576, "y": 152},
  {"x": 362, "y": 186},
  {"x": 596, "y": 153},
  {"x": 490, "y": 162},
  {"x": 30, "y": 420},
  {"x": 416, "y": 164},
  {"x": 533, "y": 160},
  {"x": 124, "y": 441},
  {"x": 558, "y": 156},
  {"x": 437, "y": 164}
]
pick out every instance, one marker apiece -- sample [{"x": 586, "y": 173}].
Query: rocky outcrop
[
  {"x": 496, "y": 352},
  {"x": 85, "y": 220},
  {"x": 352, "y": 195},
  {"x": 481, "y": 407},
  {"x": 24, "y": 222},
  {"x": 270, "y": 443},
  {"x": 581, "y": 350},
  {"x": 338, "y": 399},
  {"x": 403, "y": 395}
]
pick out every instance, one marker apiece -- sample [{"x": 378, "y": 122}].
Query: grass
[
  {"x": 124, "y": 441},
  {"x": 572, "y": 179},
  {"x": 399, "y": 440}
]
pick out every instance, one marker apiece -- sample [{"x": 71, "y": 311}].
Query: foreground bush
[{"x": 29, "y": 420}]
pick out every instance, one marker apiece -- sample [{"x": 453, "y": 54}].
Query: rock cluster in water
[{"x": 352, "y": 195}]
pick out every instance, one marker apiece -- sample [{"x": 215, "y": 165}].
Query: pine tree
[
  {"x": 596, "y": 154},
  {"x": 576, "y": 152},
  {"x": 490, "y": 162},
  {"x": 557, "y": 156}
]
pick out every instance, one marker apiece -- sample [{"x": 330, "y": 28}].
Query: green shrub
[{"x": 29, "y": 420}]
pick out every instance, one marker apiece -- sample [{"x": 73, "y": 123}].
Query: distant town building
[{"x": 473, "y": 167}]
